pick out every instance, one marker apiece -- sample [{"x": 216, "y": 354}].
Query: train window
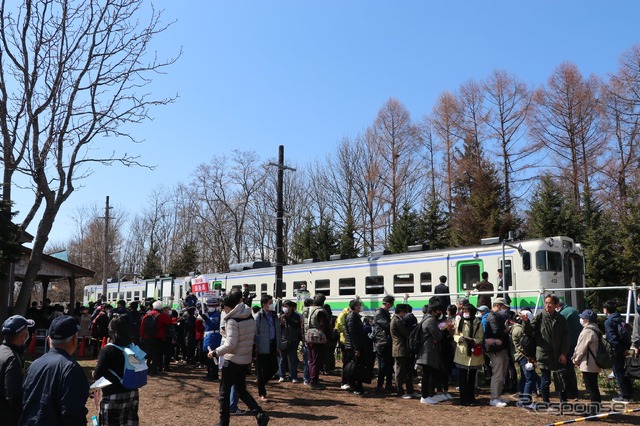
[
  {"x": 403, "y": 283},
  {"x": 297, "y": 284},
  {"x": 128, "y": 295},
  {"x": 469, "y": 274},
  {"x": 347, "y": 286},
  {"x": 284, "y": 289},
  {"x": 121, "y": 296},
  {"x": 425, "y": 282},
  {"x": 548, "y": 261},
  {"x": 263, "y": 288},
  {"x": 374, "y": 285},
  {"x": 252, "y": 287},
  {"x": 526, "y": 261},
  {"x": 136, "y": 295},
  {"x": 324, "y": 287}
]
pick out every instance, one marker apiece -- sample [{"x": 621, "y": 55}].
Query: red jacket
[{"x": 162, "y": 320}]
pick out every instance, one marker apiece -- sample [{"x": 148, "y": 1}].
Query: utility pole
[
  {"x": 106, "y": 251},
  {"x": 280, "y": 261}
]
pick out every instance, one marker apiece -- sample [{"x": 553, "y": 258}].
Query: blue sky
[{"x": 304, "y": 74}]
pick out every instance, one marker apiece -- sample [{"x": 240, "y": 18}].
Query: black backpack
[
  {"x": 415, "y": 339},
  {"x": 150, "y": 325}
]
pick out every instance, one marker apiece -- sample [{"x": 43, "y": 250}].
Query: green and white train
[{"x": 528, "y": 266}]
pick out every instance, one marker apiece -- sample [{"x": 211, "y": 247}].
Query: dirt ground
[{"x": 182, "y": 397}]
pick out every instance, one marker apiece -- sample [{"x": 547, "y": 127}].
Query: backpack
[
  {"x": 414, "y": 343},
  {"x": 135, "y": 367},
  {"x": 150, "y": 325},
  {"x": 528, "y": 343},
  {"x": 624, "y": 332},
  {"x": 603, "y": 355}
]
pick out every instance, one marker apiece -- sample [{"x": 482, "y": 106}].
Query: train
[{"x": 528, "y": 268}]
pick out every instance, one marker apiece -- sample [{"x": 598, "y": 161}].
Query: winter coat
[
  {"x": 355, "y": 339},
  {"x": 263, "y": 342},
  {"x": 382, "y": 320},
  {"x": 612, "y": 327},
  {"x": 588, "y": 340},
  {"x": 290, "y": 330},
  {"x": 470, "y": 330},
  {"x": 572, "y": 316},
  {"x": 429, "y": 353},
  {"x": 484, "y": 299},
  {"x": 399, "y": 338},
  {"x": 517, "y": 333},
  {"x": 496, "y": 329},
  {"x": 341, "y": 323},
  {"x": 553, "y": 338},
  {"x": 240, "y": 330}
]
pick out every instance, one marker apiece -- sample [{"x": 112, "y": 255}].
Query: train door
[
  {"x": 574, "y": 278},
  {"x": 468, "y": 273},
  {"x": 507, "y": 283}
]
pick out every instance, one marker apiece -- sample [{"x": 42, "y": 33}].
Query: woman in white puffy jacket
[{"x": 584, "y": 355}]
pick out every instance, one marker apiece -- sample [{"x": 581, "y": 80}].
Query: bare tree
[
  {"x": 622, "y": 100},
  {"x": 396, "y": 143},
  {"x": 71, "y": 76},
  {"x": 566, "y": 119},
  {"x": 508, "y": 100},
  {"x": 444, "y": 121}
]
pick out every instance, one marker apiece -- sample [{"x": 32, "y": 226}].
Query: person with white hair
[{"x": 523, "y": 352}]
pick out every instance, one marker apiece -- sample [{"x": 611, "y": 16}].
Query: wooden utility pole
[{"x": 280, "y": 260}]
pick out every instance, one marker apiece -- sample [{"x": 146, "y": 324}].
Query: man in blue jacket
[
  {"x": 620, "y": 342},
  {"x": 55, "y": 387}
]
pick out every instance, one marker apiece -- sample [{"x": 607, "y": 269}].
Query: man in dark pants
[
  {"x": 355, "y": 346},
  {"x": 620, "y": 343},
  {"x": 382, "y": 321},
  {"x": 15, "y": 331},
  {"x": 268, "y": 338},
  {"x": 240, "y": 331}
]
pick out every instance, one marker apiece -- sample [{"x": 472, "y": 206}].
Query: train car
[{"x": 528, "y": 266}]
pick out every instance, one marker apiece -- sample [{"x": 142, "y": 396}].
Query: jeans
[
  {"x": 528, "y": 382},
  {"x": 233, "y": 400},
  {"x": 288, "y": 361},
  {"x": 545, "y": 384},
  {"x": 619, "y": 372},
  {"x": 234, "y": 375},
  {"x": 385, "y": 366}
]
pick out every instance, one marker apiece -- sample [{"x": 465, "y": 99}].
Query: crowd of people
[{"x": 443, "y": 353}]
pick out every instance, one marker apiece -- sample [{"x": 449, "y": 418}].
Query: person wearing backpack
[
  {"x": 523, "y": 350},
  {"x": 118, "y": 404},
  {"x": 584, "y": 355},
  {"x": 620, "y": 340},
  {"x": 152, "y": 333}
]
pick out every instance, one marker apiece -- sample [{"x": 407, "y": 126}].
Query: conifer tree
[{"x": 404, "y": 232}]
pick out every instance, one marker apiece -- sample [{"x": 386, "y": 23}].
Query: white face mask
[
  {"x": 583, "y": 322},
  {"x": 441, "y": 316},
  {"x": 211, "y": 310},
  {"x": 285, "y": 309},
  {"x": 270, "y": 307},
  {"x": 466, "y": 316}
]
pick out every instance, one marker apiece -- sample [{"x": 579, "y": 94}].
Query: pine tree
[
  {"x": 325, "y": 240},
  {"x": 186, "y": 262},
  {"x": 152, "y": 266},
  {"x": 404, "y": 232},
  {"x": 479, "y": 204},
  {"x": 9, "y": 246},
  {"x": 552, "y": 212},
  {"x": 433, "y": 227},
  {"x": 347, "y": 241},
  {"x": 303, "y": 245}
]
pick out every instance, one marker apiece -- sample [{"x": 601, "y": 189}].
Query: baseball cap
[
  {"x": 63, "y": 327},
  {"x": 501, "y": 301},
  {"x": 15, "y": 324}
]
